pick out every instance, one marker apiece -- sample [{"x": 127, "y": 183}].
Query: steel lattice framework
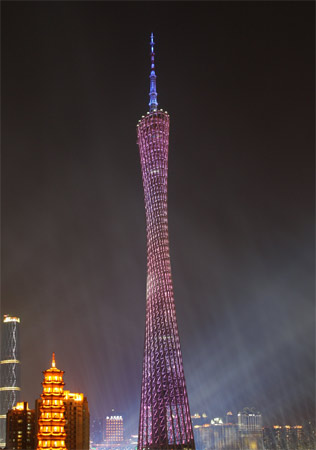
[
  {"x": 165, "y": 421},
  {"x": 10, "y": 370}
]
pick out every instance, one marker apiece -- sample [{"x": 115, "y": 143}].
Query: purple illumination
[
  {"x": 153, "y": 104},
  {"x": 165, "y": 421}
]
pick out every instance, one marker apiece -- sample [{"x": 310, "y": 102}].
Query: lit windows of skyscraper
[
  {"x": 285, "y": 437},
  {"x": 250, "y": 429},
  {"x": 21, "y": 427},
  {"x": 77, "y": 421},
  {"x": 114, "y": 429},
  {"x": 10, "y": 370}
]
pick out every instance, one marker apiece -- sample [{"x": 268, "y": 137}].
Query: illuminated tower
[
  {"x": 10, "y": 370},
  {"x": 51, "y": 422},
  {"x": 165, "y": 421}
]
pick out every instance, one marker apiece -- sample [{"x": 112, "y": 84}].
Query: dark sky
[{"x": 238, "y": 82}]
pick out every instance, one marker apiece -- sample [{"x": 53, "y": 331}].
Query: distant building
[
  {"x": 10, "y": 370},
  {"x": 21, "y": 427},
  {"x": 250, "y": 429},
  {"x": 230, "y": 418},
  {"x": 77, "y": 421},
  {"x": 199, "y": 419},
  {"x": 202, "y": 436},
  {"x": 284, "y": 437},
  {"x": 114, "y": 430},
  {"x": 216, "y": 435},
  {"x": 96, "y": 431}
]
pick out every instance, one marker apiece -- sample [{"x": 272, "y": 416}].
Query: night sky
[{"x": 238, "y": 82}]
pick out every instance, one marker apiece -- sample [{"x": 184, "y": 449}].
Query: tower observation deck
[{"x": 165, "y": 421}]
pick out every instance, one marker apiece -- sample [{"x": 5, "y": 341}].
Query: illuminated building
[
  {"x": 114, "y": 429},
  {"x": 250, "y": 429},
  {"x": 21, "y": 427},
  {"x": 77, "y": 421},
  {"x": 284, "y": 437},
  {"x": 165, "y": 421},
  {"x": 10, "y": 370},
  {"x": 230, "y": 418},
  {"x": 199, "y": 419},
  {"x": 51, "y": 422}
]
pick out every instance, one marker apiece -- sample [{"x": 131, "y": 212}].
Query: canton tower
[{"x": 165, "y": 421}]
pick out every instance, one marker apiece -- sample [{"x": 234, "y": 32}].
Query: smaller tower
[
  {"x": 51, "y": 422},
  {"x": 10, "y": 370}
]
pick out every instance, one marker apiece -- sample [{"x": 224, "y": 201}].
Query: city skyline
[{"x": 237, "y": 81}]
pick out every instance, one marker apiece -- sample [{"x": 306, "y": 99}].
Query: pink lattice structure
[{"x": 165, "y": 421}]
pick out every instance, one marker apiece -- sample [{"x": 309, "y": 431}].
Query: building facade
[
  {"x": 10, "y": 370},
  {"x": 165, "y": 420},
  {"x": 51, "y": 434},
  {"x": 21, "y": 427},
  {"x": 113, "y": 430},
  {"x": 250, "y": 429},
  {"x": 284, "y": 438},
  {"x": 77, "y": 421}
]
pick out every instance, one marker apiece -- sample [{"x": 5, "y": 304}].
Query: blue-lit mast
[{"x": 153, "y": 104}]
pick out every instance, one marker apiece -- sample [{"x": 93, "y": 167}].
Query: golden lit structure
[{"x": 51, "y": 422}]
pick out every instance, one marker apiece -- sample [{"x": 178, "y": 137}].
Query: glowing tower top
[{"x": 153, "y": 104}]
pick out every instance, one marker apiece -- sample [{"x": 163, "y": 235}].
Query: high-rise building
[
  {"x": 10, "y": 370},
  {"x": 21, "y": 427},
  {"x": 284, "y": 438},
  {"x": 51, "y": 422},
  {"x": 216, "y": 435},
  {"x": 165, "y": 421},
  {"x": 230, "y": 418},
  {"x": 250, "y": 429},
  {"x": 77, "y": 421},
  {"x": 114, "y": 430}
]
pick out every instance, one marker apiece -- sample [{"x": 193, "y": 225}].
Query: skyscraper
[
  {"x": 51, "y": 421},
  {"x": 114, "y": 429},
  {"x": 250, "y": 429},
  {"x": 77, "y": 421},
  {"x": 10, "y": 370},
  {"x": 165, "y": 421},
  {"x": 21, "y": 427}
]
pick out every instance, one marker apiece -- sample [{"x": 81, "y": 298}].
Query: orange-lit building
[
  {"x": 77, "y": 421},
  {"x": 20, "y": 427},
  {"x": 77, "y": 425},
  {"x": 51, "y": 433}
]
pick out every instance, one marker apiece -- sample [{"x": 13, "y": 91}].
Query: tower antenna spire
[
  {"x": 153, "y": 104},
  {"x": 53, "y": 360}
]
